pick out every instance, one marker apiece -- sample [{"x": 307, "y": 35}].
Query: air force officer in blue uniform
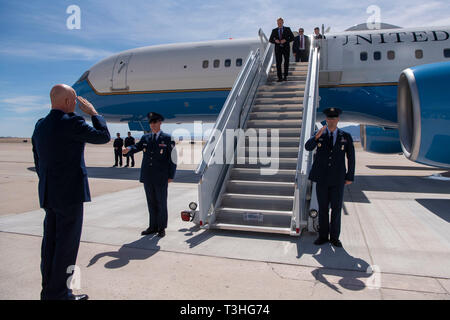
[
  {"x": 330, "y": 174},
  {"x": 157, "y": 170},
  {"x": 58, "y": 149}
]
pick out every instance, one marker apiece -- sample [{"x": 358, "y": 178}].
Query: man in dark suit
[
  {"x": 317, "y": 34},
  {"x": 330, "y": 174},
  {"x": 301, "y": 45},
  {"x": 118, "y": 144},
  {"x": 58, "y": 148},
  {"x": 129, "y": 141},
  {"x": 157, "y": 170},
  {"x": 281, "y": 37}
]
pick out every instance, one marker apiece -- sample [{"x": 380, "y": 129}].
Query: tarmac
[{"x": 395, "y": 232}]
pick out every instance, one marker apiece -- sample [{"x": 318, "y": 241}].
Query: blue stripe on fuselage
[
  {"x": 178, "y": 105},
  {"x": 375, "y": 105}
]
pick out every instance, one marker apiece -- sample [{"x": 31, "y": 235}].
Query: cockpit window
[{"x": 83, "y": 77}]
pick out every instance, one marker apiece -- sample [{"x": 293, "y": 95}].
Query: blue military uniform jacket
[
  {"x": 157, "y": 163},
  {"x": 58, "y": 149},
  {"x": 329, "y": 163}
]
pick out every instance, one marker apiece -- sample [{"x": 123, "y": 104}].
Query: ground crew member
[
  {"x": 129, "y": 141},
  {"x": 157, "y": 170},
  {"x": 118, "y": 144},
  {"x": 330, "y": 174}
]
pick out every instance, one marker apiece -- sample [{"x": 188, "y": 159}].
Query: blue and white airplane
[{"x": 395, "y": 82}]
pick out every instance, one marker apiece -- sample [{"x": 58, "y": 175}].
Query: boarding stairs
[{"x": 257, "y": 188}]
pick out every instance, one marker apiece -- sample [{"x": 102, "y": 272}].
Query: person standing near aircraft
[
  {"x": 58, "y": 149},
  {"x": 317, "y": 34},
  {"x": 281, "y": 37},
  {"x": 157, "y": 170},
  {"x": 330, "y": 174},
  {"x": 129, "y": 141},
  {"x": 118, "y": 144},
  {"x": 301, "y": 45}
]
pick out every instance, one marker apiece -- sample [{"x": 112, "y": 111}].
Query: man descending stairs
[{"x": 264, "y": 202}]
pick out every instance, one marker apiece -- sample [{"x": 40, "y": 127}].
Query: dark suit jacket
[
  {"x": 287, "y": 35},
  {"x": 296, "y": 45},
  {"x": 118, "y": 143},
  {"x": 58, "y": 148},
  {"x": 332, "y": 171},
  {"x": 129, "y": 141},
  {"x": 157, "y": 165}
]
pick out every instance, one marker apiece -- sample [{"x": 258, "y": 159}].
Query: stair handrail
[
  {"x": 235, "y": 108},
  {"x": 304, "y": 160},
  {"x": 235, "y": 93}
]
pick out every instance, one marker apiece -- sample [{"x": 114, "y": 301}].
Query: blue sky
[{"x": 38, "y": 50}]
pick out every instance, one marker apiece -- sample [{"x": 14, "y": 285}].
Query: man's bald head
[{"x": 63, "y": 98}]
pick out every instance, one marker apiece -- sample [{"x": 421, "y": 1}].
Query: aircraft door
[{"x": 120, "y": 70}]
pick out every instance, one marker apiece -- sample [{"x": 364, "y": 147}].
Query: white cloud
[
  {"x": 49, "y": 51},
  {"x": 24, "y": 104}
]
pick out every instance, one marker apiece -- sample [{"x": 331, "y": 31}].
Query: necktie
[
  {"x": 330, "y": 139},
  {"x": 154, "y": 138},
  {"x": 301, "y": 42}
]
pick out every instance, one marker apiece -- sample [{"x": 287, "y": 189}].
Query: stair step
[
  {"x": 276, "y": 115},
  {"x": 261, "y": 187},
  {"x": 283, "y": 152},
  {"x": 262, "y": 141},
  {"x": 290, "y": 94},
  {"x": 293, "y": 100},
  {"x": 286, "y": 88},
  {"x": 257, "y": 201},
  {"x": 238, "y": 227},
  {"x": 277, "y": 107},
  {"x": 282, "y": 175},
  {"x": 281, "y": 132},
  {"x": 285, "y": 123},
  {"x": 265, "y": 162},
  {"x": 254, "y": 217},
  {"x": 274, "y": 77}
]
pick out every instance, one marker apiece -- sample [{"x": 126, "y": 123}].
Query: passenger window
[
  {"x": 447, "y": 53},
  {"x": 363, "y": 56},
  {"x": 216, "y": 63},
  {"x": 227, "y": 63},
  {"x": 419, "y": 54},
  {"x": 238, "y": 62},
  {"x": 205, "y": 64},
  {"x": 391, "y": 55},
  {"x": 377, "y": 55}
]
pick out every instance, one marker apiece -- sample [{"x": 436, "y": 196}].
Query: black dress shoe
[
  {"x": 284, "y": 79},
  {"x": 148, "y": 231},
  {"x": 78, "y": 297},
  {"x": 280, "y": 80},
  {"x": 161, "y": 233},
  {"x": 126, "y": 166},
  {"x": 336, "y": 243},
  {"x": 319, "y": 241}
]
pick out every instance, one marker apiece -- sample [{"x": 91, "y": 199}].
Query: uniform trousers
[
  {"x": 329, "y": 196},
  {"x": 118, "y": 156},
  {"x": 59, "y": 250},
  {"x": 156, "y": 194}
]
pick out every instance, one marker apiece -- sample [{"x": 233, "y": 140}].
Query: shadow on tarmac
[
  {"x": 439, "y": 207},
  {"x": 121, "y": 173},
  {"x": 128, "y": 252}
]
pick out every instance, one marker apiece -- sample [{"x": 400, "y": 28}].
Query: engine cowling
[
  {"x": 380, "y": 139},
  {"x": 423, "y": 110}
]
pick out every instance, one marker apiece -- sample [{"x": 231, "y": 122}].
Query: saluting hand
[
  {"x": 86, "y": 106},
  {"x": 320, "y": 132}
]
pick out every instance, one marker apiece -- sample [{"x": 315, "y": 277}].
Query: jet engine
[{"x": 423, "y": 110}]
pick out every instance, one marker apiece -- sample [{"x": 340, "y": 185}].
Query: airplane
[{"x": 393, "y": 81}]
